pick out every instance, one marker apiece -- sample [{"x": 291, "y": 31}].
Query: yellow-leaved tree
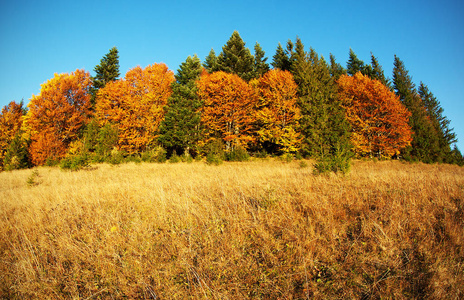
[
  {"x": 277, "y": 112},
  {"x": 57, "y": 114},
  {"x": 135, "y": 106},
  {"x": 228, "y": 108}
]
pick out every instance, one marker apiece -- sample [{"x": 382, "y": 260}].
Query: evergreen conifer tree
[
  {"x": 280, "y": 59},
  {"x": 210, "y": 63},
  {"x": 376, "y": 72},
  {"x": 446, "y": 136},
  {"x": 425, "y": 144},
  {"x": 336, "y": 69},
  {"x": 17, "y": 156},
  {"x": 354, "y": 64},
  {"x": 106, "y": 71},
  {"x": 323, "y": 124},
  {"x": 236, "y": 58},
  {"x": 260, "y": 64},
  {"x": 179, "y": 131}
]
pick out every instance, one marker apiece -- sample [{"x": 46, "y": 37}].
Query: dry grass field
[{"x": 261, "y": 229}]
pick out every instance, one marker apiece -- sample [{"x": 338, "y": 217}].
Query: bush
[
  {"x": 261, "y": 154},
  {"x": 156, "y": 155},
  {"x": 175, "y": 158},
  {"x": 287, "y": 157},
  {"x": 16, "y": 156},
  {"x": 116, "y": 157},
  {"x": 74, "y": 163},
  {"x": 332, "y": 164},
  {"x": 215, "y": 152},
  {"x": 237, "y": 154},
  {"x": 213, "y": 159}
]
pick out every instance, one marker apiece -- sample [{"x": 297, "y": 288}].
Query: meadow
[{"x": 262, "y": 229}]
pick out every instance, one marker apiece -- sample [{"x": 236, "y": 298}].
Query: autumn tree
[
  {"x": 277, "y": 112},
  {"x": 11, "y": 120},
  {"x": 227, "y": 111},
  {"x": 236, "y": 58},
  {"x": 180, "y": 131},
  {"x": 56, "y": 116},
  {"x": 135, "y": 105},
  {"x": 379, "y": 121}
]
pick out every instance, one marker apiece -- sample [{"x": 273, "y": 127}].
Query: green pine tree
[
  {"x": 280, "y": 59},
  {"x": 336, "y": 69},
  {"x": 260, "y": 64},
  {"x": 210, "y": 63},
  {"x": 456, "y": 157},
  {"x": 425, "y": 144},
  {"x": 180, "y": 129},
  {"x": 17, "y": 156},
  {"x": 106, "y": 71},
  {"x": 236, "y": 58},
  {"x": 376, "y": 72},
  {"x": 354, "y": 64},
  {"x": 323, "y": 124},
  {"x": 446, "y": 135}
]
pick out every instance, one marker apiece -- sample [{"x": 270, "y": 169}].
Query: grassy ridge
[{"x": 258, "y": 229}]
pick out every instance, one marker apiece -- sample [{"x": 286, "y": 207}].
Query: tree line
[{"x": 227, "y": 107}]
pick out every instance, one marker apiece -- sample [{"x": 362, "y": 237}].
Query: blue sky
[{"x": 40, "y": 38}]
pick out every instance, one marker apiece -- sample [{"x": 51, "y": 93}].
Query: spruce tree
[
  {"x": 336, "y": 69},
  {"x": 260, "y": 64},
  {"x": 280, "y": 59},
  {"x": 106, "y": 71},
  {"x": 376, "y": 72},
  {"x": 446, "y": 136},
  {"x": 323, "y": 124},
  {"x": 17, "y": 156},
  {"x": 354, "y": 64},
  {"x": 425, "y": 144},
  {"x": 236, "y": 58},
  {"x": 210, "y": 63},
  {"x": 179, "y": 131}
]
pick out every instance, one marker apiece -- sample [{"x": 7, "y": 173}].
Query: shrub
[
  {"x": 287, "y": 157},
  {"x": 213, "y": 159},
  {"x": 155, "y": 155},
  {"x": 215, "y": 152},
  {"x": 74, "y": 163},
  {"x": 116, "y": 157},
  {"x": 16, "y": 156},
  {"x": 237, "y": 154},
  {"x": 175, "y": 158},
  {"x": 332, "y": 164}
]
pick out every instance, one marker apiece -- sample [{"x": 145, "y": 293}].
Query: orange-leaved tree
[
  {"x": 277, "y": 111},
  {"x": 57, "y": 114},
  {"x": 11, "y": 119},
  {"x": 378, "y": 119},
  {"x": 227, "y": 112},
  {"x": 135, "y": 106}
]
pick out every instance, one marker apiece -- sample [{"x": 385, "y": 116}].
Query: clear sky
[{"x": 40, "y": 38}]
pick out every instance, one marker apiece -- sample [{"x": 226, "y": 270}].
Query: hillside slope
[{"x": 254, "y": 230}]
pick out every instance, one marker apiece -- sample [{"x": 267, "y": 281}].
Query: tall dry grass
[{"x": 254, "y": 230}]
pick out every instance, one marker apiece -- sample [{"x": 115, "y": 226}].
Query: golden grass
[{"x": 253, "y": 230}]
